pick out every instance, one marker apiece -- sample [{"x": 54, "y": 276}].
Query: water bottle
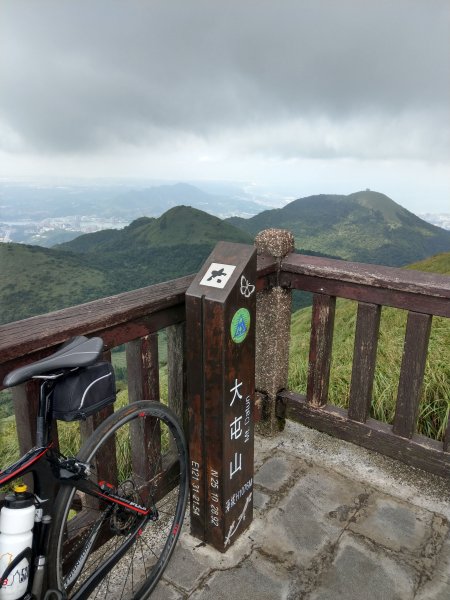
[{"x": 16, "y": 538}]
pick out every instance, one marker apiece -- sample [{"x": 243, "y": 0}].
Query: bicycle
[{"x": 96, "y": 536}]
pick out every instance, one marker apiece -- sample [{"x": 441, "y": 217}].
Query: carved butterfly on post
[{"x": 247, "y": 288}]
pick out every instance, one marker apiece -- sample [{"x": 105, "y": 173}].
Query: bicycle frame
[{"x": 50, "y": 470}]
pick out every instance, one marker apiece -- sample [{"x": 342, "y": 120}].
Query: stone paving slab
[
  {"x": 392, "y": 523},
  {"x": 319, "y": 534},
  {"x": 265, "y": 581},
  {"x": 312, "y": 515},
  {"x": 361, "y": 571}
]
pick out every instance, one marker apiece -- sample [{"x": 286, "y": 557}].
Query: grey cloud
[{"x": 94, "y": 74}]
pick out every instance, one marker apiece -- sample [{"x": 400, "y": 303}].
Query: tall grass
[{"x": 435, "y": 400}]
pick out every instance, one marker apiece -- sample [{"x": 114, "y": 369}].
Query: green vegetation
[
  {"x": 365, "y": 227},
  {"x": 434, "y": 264},
  {"x": 435, "y": 401},
  {"x": 180, "y": 225},
  {"x": 38, "y": 280}
]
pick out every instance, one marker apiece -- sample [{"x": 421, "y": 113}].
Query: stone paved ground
[{"x": 331, "y": 522}]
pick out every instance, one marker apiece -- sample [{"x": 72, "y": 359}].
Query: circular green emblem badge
[{"x": 240, "y": 325}]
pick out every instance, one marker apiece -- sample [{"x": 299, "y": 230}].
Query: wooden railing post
[
  {"x": 176, "y": 371},
  {"x": 26, "y": 402},
  {"x": 418, "y": 329},
  {"x": 143, "y": 384},
  {"x": 364, "y": 360},
  {"x": 322, "y": 327},
  {"x": 273, "y": 325}
]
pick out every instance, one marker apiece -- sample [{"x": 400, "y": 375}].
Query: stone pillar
[{"x": 273, "y": 325}]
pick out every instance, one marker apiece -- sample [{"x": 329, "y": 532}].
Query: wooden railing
[
  {"x": 422, "y": 295},
  {"x": 132, "y": 318}
]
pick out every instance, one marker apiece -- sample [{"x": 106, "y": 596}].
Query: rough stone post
[{"x": 273, "y": 325}]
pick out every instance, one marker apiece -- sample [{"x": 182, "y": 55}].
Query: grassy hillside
[
  {"x": 365, "y": 226},
  {"x": 180, "y": 225},
  {"x": 440, "y": 263},
  {"x": 37, "y": 280},
  {"x": 435, "y": 402}
]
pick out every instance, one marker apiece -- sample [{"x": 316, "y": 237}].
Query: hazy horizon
[{"x": 291, "y": 99}]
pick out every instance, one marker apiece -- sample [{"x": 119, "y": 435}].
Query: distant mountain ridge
[
  {"x": 365, "y": 226},
  {"x": 179, "y": 225},
  {"x": 130, "y": 201},
  {"x": 37, "y": 280}
]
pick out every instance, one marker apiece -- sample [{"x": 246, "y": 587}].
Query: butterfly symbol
[{"x": 247, "y": 288}]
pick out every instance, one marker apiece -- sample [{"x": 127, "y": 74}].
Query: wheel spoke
[{"x": 134, "y": 574}]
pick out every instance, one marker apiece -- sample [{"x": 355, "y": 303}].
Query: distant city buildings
[{"x": 34, "y": 233}]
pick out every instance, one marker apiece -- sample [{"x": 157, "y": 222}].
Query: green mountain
[
  {"x": 364, "y": 226},
  {"x": 178, "y": 226},
  {"x": 37, "y": 280}
]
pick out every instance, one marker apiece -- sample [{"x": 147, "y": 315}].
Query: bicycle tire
[{"x": 146, "y": 556}]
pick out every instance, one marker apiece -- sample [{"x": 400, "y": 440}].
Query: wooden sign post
[{"x": 220, "y": 336}]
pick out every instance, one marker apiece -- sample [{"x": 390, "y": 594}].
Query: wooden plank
[
  {"x": 418, "y": 329},
  {"x": 176, "y": 370},
  {"x": 364, "y": 359},
  {"x": 143, "y": 368},
  {"x": 194, "y": 356},
  {"x": 112, "y": 336},
  {"x": 145, "y": 434},
  {"x": 447, "y": 438},
  {"x": 407, "y": 300},
  {"x": 267, "y": 271},
  {"x": 105, "y": 463},
  {"x": 388, "y": 278},
  {"x": 322, "y": 323},
  {"x": 26, "y": 403},
  {"x": 37, "y": 333},
  {"x": 152, "y": 366},
  {"x": 420, "y": 451}
]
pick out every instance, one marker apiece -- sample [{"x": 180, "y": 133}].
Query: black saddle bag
[{"x": 84, "y": 392}]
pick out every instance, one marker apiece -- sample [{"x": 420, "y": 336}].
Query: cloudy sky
[{"x": 296, "y": 96}]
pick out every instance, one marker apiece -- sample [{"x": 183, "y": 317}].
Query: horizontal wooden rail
[
  {"x": 423, "y": 295},
  {"x": 419, "y": 451},
  {"x": 427, "y": 293},
  {"x": 117, "y": 319}
]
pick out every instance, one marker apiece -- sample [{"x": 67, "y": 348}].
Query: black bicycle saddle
[{"x": 77, "y": 352}]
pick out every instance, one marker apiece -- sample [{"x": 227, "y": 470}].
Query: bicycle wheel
[{"x": 100, "y": 550}]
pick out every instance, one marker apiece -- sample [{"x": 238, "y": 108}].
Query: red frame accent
[{"x": 25, "y": 465}]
